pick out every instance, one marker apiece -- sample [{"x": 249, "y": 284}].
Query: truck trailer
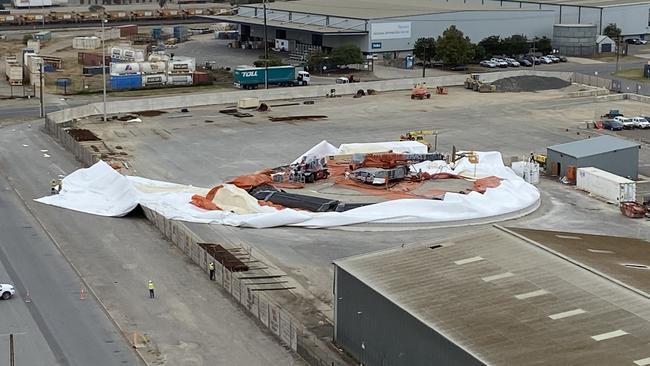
[{"x": 248, "y": 77}]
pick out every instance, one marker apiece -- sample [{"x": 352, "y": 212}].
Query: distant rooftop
[
  {"x": 590, "y": 3},
  {"x": 508, "y": 302},
  {"x": 593, "y": 146},
  {"x": 377, "y": 9}
]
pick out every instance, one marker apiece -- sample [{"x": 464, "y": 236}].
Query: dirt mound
[{"x": 529, "y": 84}]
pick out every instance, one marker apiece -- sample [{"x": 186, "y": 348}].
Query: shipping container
[
  {"x": 249, "y": 77},
  {"x": 123, "y": 68},
  {"x": 154, "y": 80},
  {"x": 95, "y": 70},
  {"x": 14, "y": 73},
  {"x": 119, "y": 82},
  {"x": 181, "y": 33},
  {"x": 92, "y": 59},
  {"x": 201, "y": 78},
  {"x": 153, "y": 67},
  {"x": 34, "y": 45},
  {"x": 181, "y": 65},
  {"x": 31, "y": 3},
  {"x": 158, "y": 56},
  {"x": 8, "y": 20},
  {"x": 128, "y": 30},
  {"x": 86, "y": 43},
  {"x": 156, "y": 33},
  {"x": 177, "y": 79},
  {"x": 43, "y": 36},
  {"x": 126, "y": 54},
  {"x": 606, "y": 185}
]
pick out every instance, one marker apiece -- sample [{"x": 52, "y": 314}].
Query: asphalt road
[{"x": 56, "y": 327}]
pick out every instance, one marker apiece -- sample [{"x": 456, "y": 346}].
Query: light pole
[
  {"x": 40, "y": 82},
  {"x": 266, "y": 52},
  {"x": 104, "y": 68},
  {"x": 424, "y": 62}
]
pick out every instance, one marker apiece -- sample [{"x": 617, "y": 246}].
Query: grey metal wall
[
  {"x": 621, "y": 162},
  {"x": 378, "y": 333},
  {"x": 575, "y": 40}
]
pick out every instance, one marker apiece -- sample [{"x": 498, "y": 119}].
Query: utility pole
[
  {"x": 618, "y": 50},
  {"x": 103, "y": 67},
  {"x": 40, "y": 77},
  {"x": 424, "y": 62},
  {"x": 12, "y": 356},
  {"x": 266, "y": 51}
]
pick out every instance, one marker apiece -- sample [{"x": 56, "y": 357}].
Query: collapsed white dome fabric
[
  {"x": 409, "y": 147},
  {"x": 101, "y": 190}
]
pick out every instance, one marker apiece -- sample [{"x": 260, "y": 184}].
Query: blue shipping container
[
  {"x": 156, "y": 33},
  {"x": 132, "y": 81}
]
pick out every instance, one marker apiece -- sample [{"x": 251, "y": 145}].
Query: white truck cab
[
  {"x": 6, "y": 291},
  {"x": 303, "y": 78}
]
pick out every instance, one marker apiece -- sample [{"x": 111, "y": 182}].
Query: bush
[{"x": 273, "y": 61}]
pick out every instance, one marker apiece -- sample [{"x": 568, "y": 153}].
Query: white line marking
[
  {"x": 643, "y": 362},
  {"x": 604, "y": 336},
  {"x": 469, "y": 260},
  {"x": 567, "y": 314},
  {"x": 497, "y": 277},
  {"x": 528, "y": 295},
  {"x": 600, "y": 251},
  {"x": 568, "y": 237}
]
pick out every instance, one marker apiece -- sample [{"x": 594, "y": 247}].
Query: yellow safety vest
[
  {"x": 211, "y": 266},
  {"x": 150, "y": 285}
]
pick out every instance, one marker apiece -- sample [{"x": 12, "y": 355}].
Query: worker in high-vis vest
[
  {"x": 211, "y": 268},
  {"x": 151, "y": 288}
]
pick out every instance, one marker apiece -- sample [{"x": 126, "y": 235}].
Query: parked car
[
  {"x": 535, "y": 60},
  {"x": 458, "y": 67},
  {"x": 546, "y": 60},
  {"x": 562, "y": 58},
  {"x": 512, "y": 62},
  {"x": 553, "y": 58},
  {"x": 640, "y": 122},
  {"x": 6, "y": 291},
  {"x": 636, "y": 41},
  {"x": 612, "y": 124},
  {"x": 488, "y": 63},
  {"x": 499, "y": 62},
  {"x": 627, "y": 122},
  {"x": 524, "y": 62}
]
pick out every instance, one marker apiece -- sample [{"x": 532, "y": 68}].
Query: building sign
[
  {"x": 376, "y": 45},
  {"x": 390, "y": 30}
]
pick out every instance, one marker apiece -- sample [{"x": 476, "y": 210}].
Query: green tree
[
  {"x": 316, "y": 59},
  {"x": 454, "y": 48},
  {"x": 543, "y": 45},
  {"x": 273, "y": 61},
  {"x": 425, "y": 48},
  {"x": 479, "y": 53},
  {"x": 492, "y": 46},
  {"x": 612, "y": 31},
  {"x": 347, "y": 55},
  {"x": 515, "y": 45}
]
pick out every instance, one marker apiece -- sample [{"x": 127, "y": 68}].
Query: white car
[
  {"x": 512, "y": 62},
  {"x": 6, "y": 291},
  {"x": 627, "y": 122},
  {"x": 640, "y": 122},
  {"x": 545, "y": 60},
  {"x": 499, "y": 62}
]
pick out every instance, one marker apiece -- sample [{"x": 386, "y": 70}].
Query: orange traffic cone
[
  {"x": 27, "y": 297},
  {"x": 82, "y": 293}
]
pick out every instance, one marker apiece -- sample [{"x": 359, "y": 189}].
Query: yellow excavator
[{"x": 418, "y": 136}]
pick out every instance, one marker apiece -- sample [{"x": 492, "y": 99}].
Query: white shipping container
[
  {"x": 33, "y": 63},
  {"x": 154, "y": 79},
  {"x": 34, "y": 79},
  {"x": 153, "y": 67},
  {"x": 181, "y": 65},
  {"x": 518, "y": 167},
  {"x": 124, "y": 68},
  {"x": 86, "y": 43},
  {"x": 27, "y": 56},
  {"x": 158, "y": 56},
  {"x": 127, "y": 54},
  {"x": 34, "y": 44},
  {"x": 31, "y": 3},
  {"x": 179, "y": 79},
  {"x": 14, "y": 73},
  {"x": 606, "y": 185}
]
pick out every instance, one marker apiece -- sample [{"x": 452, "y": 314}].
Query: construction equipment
[
  {"x": 613, "y": 113},
  {"x": 473, "y": 82},
  {"x": 309, "y": 170},
  {"x": 380, "y": 176},
  {"x": 420, "y": 91},
  {"x": 418, "y": 136},
  {"x": 540, "y": 159}
]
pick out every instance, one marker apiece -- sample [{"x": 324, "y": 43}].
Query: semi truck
[{"x": 248, "y": 77}]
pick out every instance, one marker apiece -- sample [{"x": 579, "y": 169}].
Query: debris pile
[{"x": 529, "y": 84}]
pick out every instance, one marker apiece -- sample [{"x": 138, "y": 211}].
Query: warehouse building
[
  {"x": 608, "y": 153},
  {"x": 492, "y": 297},
  {"x": 377, "y": 26},
  {"x": 632, "y": 16}
]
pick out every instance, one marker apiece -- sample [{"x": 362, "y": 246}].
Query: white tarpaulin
[
  {"x": 100, "y": 190},
  {"x": 409, "y": 147}
]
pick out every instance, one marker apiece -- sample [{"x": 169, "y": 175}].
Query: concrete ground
[
  {"x": 206, "y": 148},
  {"x": 191, "y": 322}
]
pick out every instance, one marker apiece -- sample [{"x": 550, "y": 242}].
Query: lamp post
[
  {"x": 266, "y": 51},
  {"x": 40, "y": 83},
  {"x": 104, "y": 68}
]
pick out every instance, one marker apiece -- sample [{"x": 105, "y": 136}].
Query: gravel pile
[{"x": 529, "y": 84}]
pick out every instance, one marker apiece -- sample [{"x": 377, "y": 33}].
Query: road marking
[
  {"x": 528, "y": 295},
  {"x": 643, "y": 362},
  {"x": 600, "y": 251},
  {"x": 568, "y": 237},
  {"x": 497, "y": 277},
  {"x": 610, "y": 335},
  {"x": 566, "y": 314},
  {"x": 468, "y": 260}
]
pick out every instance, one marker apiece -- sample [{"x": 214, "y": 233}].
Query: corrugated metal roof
[
  {"x": 286, "y": 25},
  {"x": 593, "y": 146},
  {"x": 377, "y": 9},
  {"x": 546, "y": 312}
]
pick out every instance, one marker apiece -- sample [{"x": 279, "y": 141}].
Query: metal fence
[{"x": 614, "y": 85}]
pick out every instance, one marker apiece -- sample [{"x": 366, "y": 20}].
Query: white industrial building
[{"x": 378, "y": 26}]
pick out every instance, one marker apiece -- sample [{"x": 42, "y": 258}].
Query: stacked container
[
  {"x": 13, "y": 71},
  {"x": 131, "y": 81},
  {"x": 43, "y": 36},
  {"x": 86, "y": 43},
  {"x": 34, "y": 45},
  {"x": 127, "y": 31},
  {"x": 92, "y": 59},
  {"x": 181, "y": 33},
  {"x": 180, "y": 69}
]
